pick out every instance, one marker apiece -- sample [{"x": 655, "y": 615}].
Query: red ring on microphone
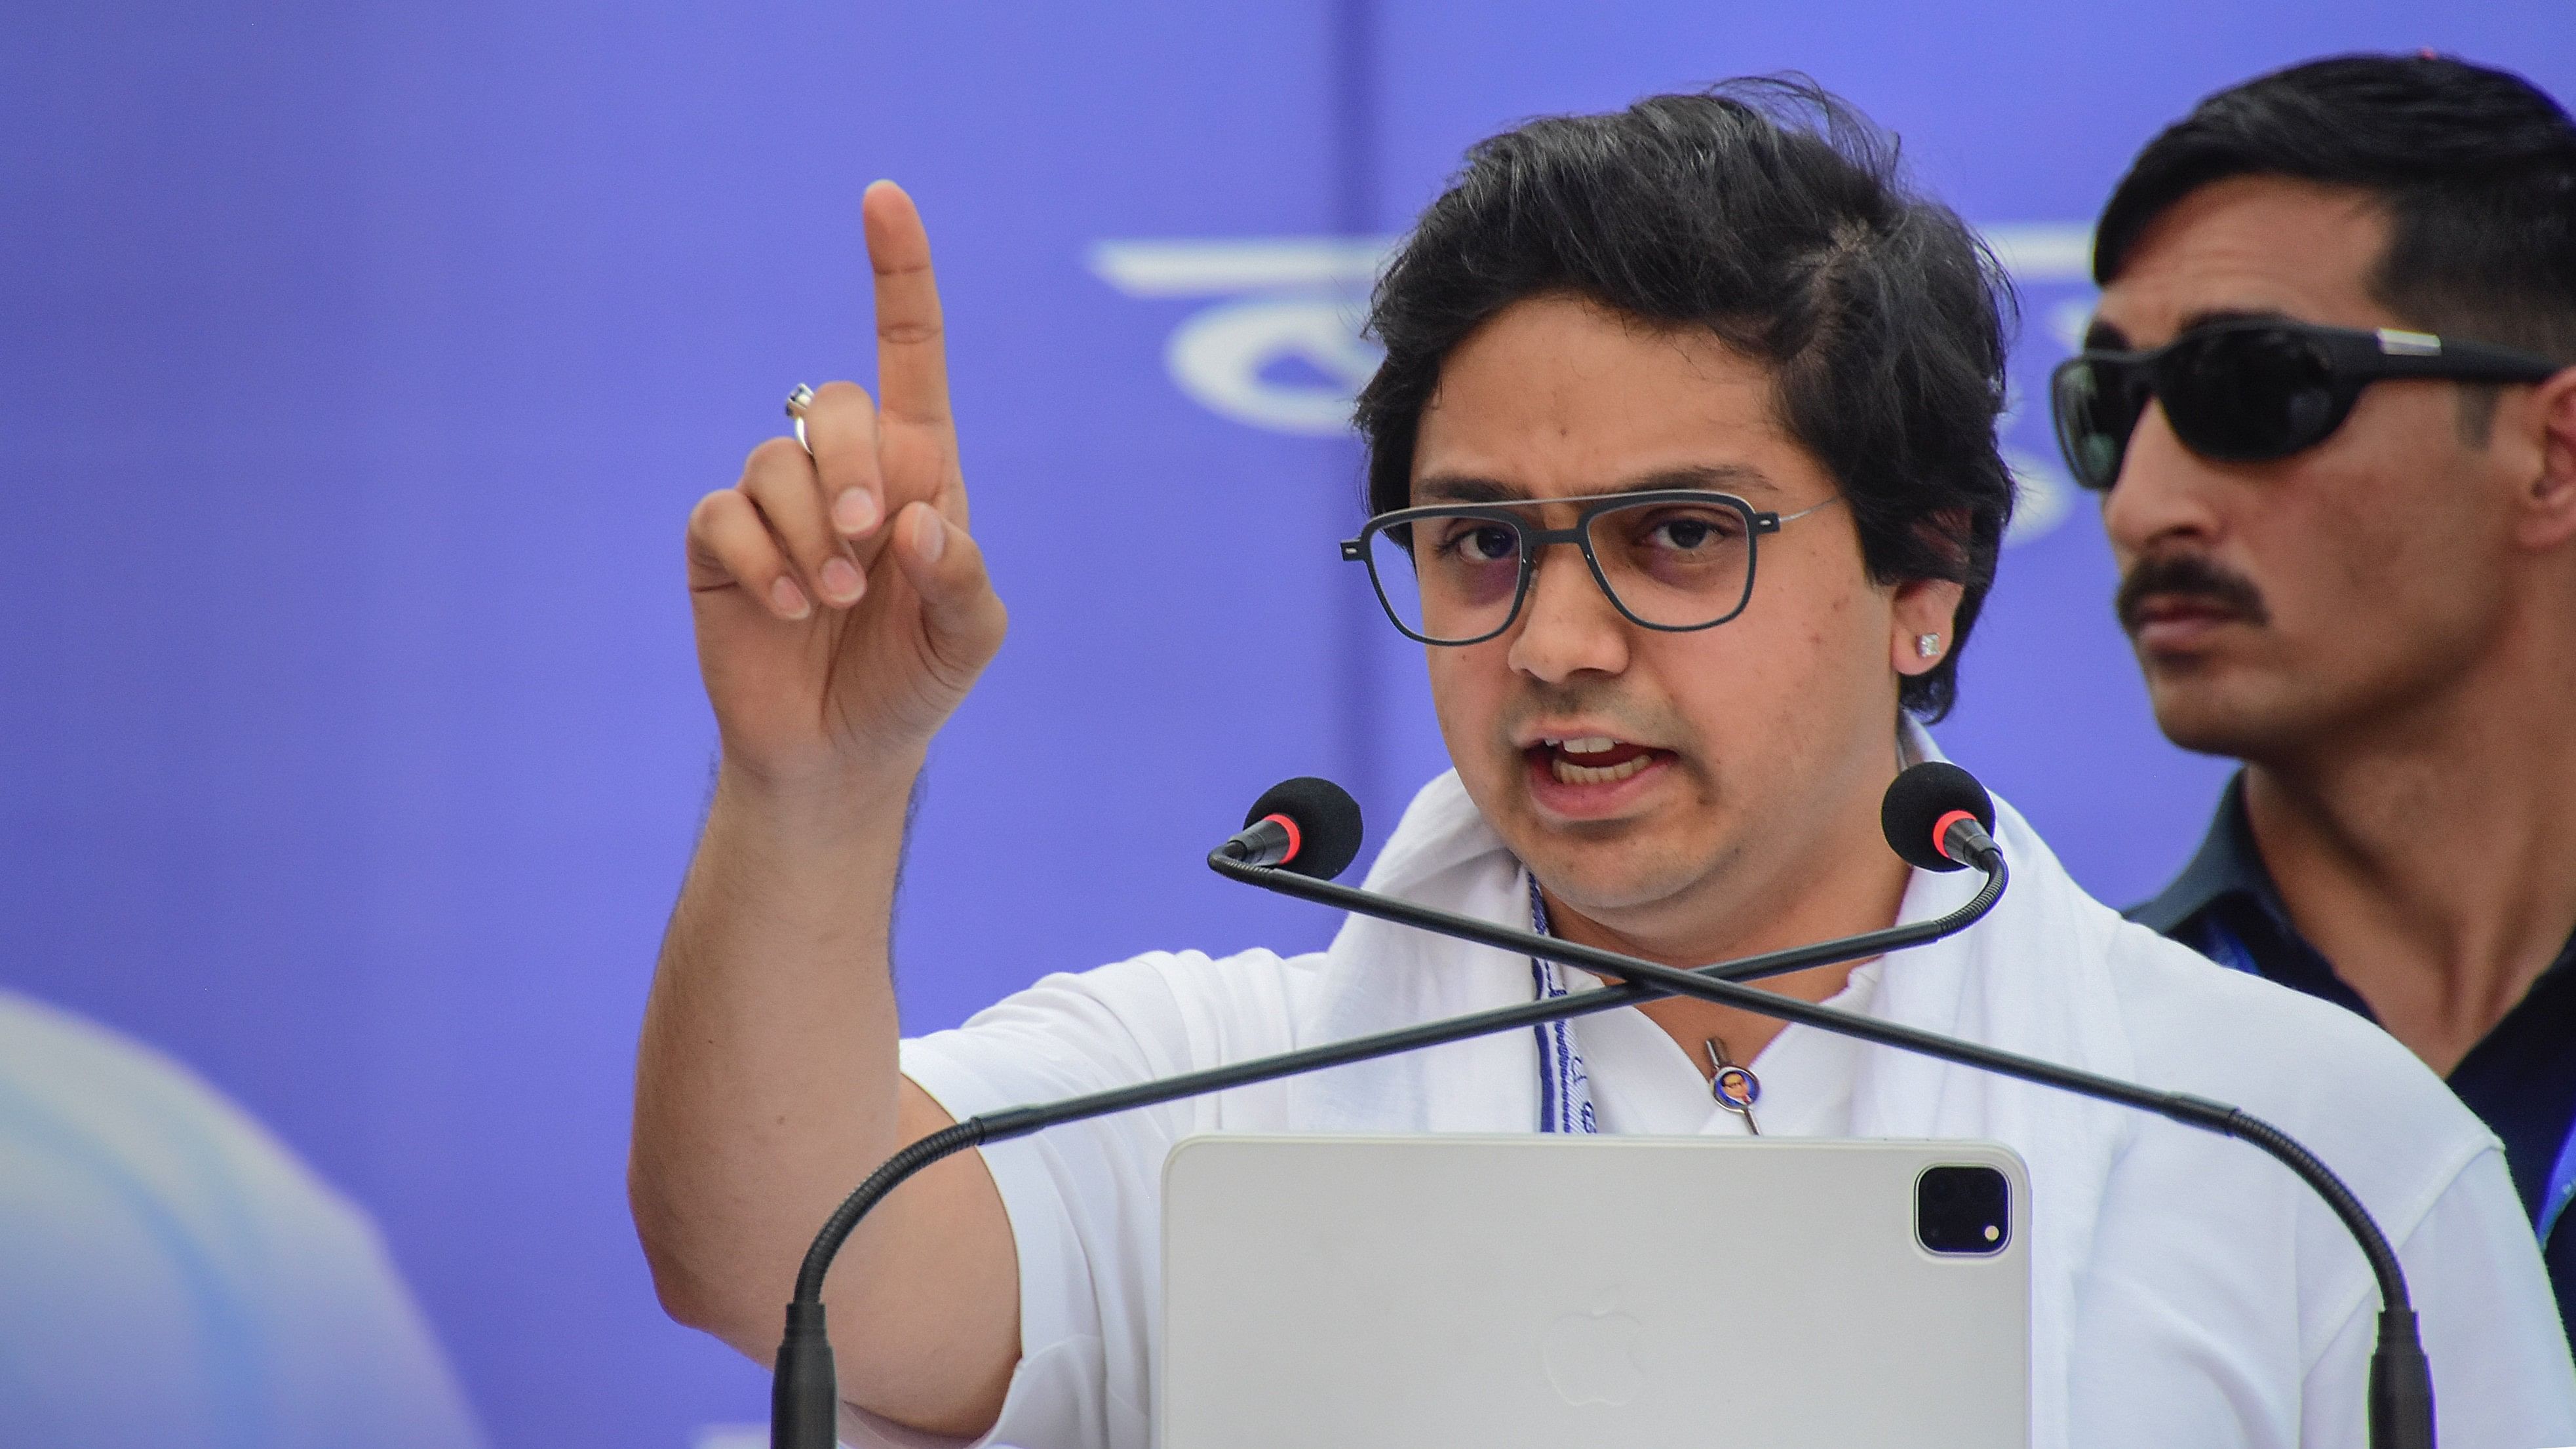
[
  {"x": 1941, "y": 832},
  {"x": 1296, "y": 838}
]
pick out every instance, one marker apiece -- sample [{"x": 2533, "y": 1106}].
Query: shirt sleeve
[
  {"x": 1085, "y": 1199},
  {"x": 2501, "y": 1375}
]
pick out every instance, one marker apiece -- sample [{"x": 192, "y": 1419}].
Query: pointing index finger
[{"x": 912, "y": 357}]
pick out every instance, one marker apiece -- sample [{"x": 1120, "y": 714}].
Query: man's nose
[
  {"x": 2164, "y": 493},
  {"x": 1568, "y": 625}
]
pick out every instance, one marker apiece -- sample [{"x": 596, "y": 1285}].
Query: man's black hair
[
  {"x": 1771, "y": 214},
  {"x": 2476, "y": 168}
]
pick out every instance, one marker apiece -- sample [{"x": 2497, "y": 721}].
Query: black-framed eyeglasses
[
  {"x": 2251, "y": 390},
  {"x": 1668, "y": 558}
]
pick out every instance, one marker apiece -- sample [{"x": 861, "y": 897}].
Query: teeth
[
  {"x": 1589, "y": 745},
  {"x": 1573, "y": 774}
]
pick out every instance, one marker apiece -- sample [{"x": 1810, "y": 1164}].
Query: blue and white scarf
[{"x": 1564, "y": 1086}]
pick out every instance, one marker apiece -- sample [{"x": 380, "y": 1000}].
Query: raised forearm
[
  {"x": 767, "y": 1069},
  {"x": 842, "y": 613}
]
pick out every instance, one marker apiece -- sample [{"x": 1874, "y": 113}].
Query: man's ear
[
  {"x": 2547, "y": 516},
  {"x": 1925, "y": 609},
  {"x": 1920, "y": 633}
]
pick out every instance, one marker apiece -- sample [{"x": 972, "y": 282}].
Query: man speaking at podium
[{"x": 1641, "y": 351}]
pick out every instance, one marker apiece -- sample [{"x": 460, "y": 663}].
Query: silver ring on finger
[{"x": 797, "y": 402}]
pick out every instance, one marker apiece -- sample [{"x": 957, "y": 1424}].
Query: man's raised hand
[{"x": 842, "y": 608}]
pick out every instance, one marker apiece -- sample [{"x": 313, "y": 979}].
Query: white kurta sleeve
[
  {"x": 2501, "y": 1376},
  {"x": 1085, "y": 1200}
]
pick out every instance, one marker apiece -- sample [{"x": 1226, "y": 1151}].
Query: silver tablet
[{"x": 1410, "y": 1292}]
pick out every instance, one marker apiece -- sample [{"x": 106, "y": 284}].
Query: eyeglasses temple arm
[{"x": 2467, "y": 362}]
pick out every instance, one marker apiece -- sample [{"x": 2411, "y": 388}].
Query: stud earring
[{"x": 1927, "y": 645}]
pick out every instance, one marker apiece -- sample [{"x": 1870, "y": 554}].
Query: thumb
[{"x": 962, "y": 618}]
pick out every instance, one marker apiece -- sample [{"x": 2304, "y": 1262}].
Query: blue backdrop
[{"x": 361, "y": 363}]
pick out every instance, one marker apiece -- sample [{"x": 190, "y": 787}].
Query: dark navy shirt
[{"x": 2521, "y": 1078}]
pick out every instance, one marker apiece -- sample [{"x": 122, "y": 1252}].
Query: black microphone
[
  {"x": 1308, "y": 825},
  {"x": 1937, "y": 816},
  {"x": 804, "y": 1393}
]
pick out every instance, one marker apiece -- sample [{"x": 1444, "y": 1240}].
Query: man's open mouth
[{"x": 1593, "y": 759}]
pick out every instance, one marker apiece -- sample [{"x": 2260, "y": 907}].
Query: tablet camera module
[{"x": 1962, "y": 1211}]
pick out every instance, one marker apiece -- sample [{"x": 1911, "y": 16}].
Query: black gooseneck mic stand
[
  {"x": 805, "y": 1395},
  {"x": 2401, "y": 1379},
  {"x": 804, "y": 1392}
]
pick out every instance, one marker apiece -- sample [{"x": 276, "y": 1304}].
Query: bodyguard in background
[{"x": 2329, "y": 401}]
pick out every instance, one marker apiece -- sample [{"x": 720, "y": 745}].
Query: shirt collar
[{"x": 2227, "y": 864}]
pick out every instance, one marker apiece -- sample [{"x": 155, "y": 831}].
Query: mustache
[{"x": 2187, "y": 575}]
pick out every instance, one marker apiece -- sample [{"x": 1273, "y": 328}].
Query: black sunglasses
[{"x": 2251, "y": 390}]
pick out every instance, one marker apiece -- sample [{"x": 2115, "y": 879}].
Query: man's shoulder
[
  {"x": 1251, "y": 980},
  {"x": 2314, "y": 1069},
  {"x": 2185, "y": 1009},
  {"x": 1165, "y": 1009},
  {"x": 2307, "y": 1065}
]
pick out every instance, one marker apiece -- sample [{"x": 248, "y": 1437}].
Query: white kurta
[{"x": 2186, "y": 1289}]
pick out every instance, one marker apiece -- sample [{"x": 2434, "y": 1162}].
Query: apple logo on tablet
[{"x": 1591, "y": 1358}]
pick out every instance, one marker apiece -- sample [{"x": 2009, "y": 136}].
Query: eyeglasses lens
[
  {"x": 1448, "y": 578},
  {"x": 2242, "y": 395},
  {"x": 1673, "y": 564},
  {"x": 1676, "y": 565},
  {"x": 2096, "y": 410},
  {"x": 2247, "y": 396}
]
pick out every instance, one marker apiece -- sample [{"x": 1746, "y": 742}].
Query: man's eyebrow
[
  {"x": 1711, "y": 478},
  {"x": 2212, "y": 315},
  {"x": 1707, "y": 478},
  {"x": 1459, "y": 488},
  {"x": 2102, "y": 336}
]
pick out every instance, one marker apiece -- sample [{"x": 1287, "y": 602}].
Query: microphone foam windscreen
[
  {"x": 1328, "y": 824},
  {"x": 1920, "y": 799}
]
